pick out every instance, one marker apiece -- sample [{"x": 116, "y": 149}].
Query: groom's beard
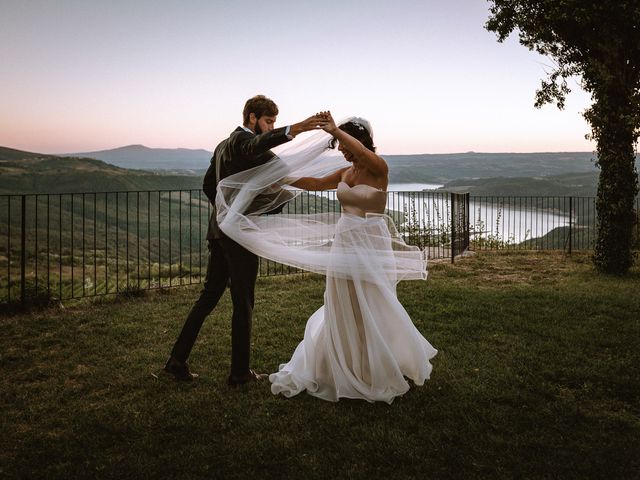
[{"x": 258, "y": 129}]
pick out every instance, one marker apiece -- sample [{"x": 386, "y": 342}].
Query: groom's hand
[
  {"x": 330, "y": 124},
  {"x": 314, "y": 122}
]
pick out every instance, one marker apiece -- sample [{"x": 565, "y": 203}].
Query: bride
[{"x": 361, "y": 343}]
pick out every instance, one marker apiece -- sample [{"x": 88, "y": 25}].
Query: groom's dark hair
[{"x": 259, "y": 106}]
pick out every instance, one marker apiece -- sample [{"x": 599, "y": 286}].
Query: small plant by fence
[{"x": 65, "y": 246}]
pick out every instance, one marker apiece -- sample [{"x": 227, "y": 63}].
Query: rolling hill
[
  {"x": 443, "y": 168},
  {"x": 567, "y": 173},
  {"x": 422, "y": 168},
  {"x": 28, "y": 172},
  {"x": 145, "y": 158},
  {"x": 567, "y": 184}
]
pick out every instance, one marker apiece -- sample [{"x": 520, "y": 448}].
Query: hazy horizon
[{"x": 381, "y": 153}]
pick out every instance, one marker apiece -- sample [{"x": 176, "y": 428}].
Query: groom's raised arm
[{"x": 253, "y": 147}]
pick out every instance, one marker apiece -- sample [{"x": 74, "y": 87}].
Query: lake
[{"x": 512, "y": 219}]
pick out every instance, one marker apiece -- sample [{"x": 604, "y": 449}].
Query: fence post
[
  {"x": 467, "y": 216},
  {"x": 23, "y": 252},
  {"x": 453, "y": 227},
  {"x": 570, "y": 223}
]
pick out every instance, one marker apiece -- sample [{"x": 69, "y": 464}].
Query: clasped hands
[{"x": 321, "y": 120}]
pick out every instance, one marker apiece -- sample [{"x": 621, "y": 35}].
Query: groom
[{"x": 248, "y": 146}]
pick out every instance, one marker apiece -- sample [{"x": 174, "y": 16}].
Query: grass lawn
[{"x": 537, "y": 376}]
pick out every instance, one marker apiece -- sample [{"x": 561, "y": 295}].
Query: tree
[{"x": 599, "y": 41}]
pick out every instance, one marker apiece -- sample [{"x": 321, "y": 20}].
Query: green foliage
[
  {"x": 35, "y": 297},
  {"x": 425, "y": 232},
  {"x": 600, "y": 42},
  {"x": 483, "y": 239}
]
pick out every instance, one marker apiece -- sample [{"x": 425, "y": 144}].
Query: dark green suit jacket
[{"x": 241, "y": 151}]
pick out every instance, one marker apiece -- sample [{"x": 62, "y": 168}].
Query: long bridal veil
[{"x": 306, "y": 240}]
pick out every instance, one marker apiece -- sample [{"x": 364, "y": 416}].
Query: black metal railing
[
  {"x": 460, "y": 224},
  {"x": 74, "y": 245},
  {"x": 86, "y": 244},
  {"x": 538, "y": 223}
]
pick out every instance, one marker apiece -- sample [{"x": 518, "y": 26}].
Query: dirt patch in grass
[{"x": 497, "y": 269}]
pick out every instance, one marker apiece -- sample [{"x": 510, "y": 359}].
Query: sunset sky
[{"x": 83, "y": 75}]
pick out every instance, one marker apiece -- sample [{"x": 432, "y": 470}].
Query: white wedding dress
[{"x": 361, "y": 343}]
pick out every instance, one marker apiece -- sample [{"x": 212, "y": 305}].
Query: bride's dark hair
[{"x": 357, "y": 131}]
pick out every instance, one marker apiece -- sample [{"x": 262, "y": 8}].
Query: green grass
[{"x": 536, "y": 377}]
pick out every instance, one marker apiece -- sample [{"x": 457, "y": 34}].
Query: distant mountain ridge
[
  {"x": 564, "y": 173},
  {"x": 443, "y": 168},
  {"x": 427, "y": 168},
  {"x": 146, "y": 158},
  {"x": 29, "y": 172},
  {"x": 566, "y": 184}
]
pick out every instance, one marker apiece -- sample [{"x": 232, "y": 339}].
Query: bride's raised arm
[{"x": 367, "y": 158}]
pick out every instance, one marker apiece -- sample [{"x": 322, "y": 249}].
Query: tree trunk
[{"x": 612, "y": 119}]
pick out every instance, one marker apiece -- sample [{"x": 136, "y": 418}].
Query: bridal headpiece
[{"x": 362, "y": 124}]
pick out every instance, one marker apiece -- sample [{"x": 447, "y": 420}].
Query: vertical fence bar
[
  {"x": 35, "y": 234},
  {"x": 117, "y": 241},
  {"x": 60, "y": 245},
  {"x": 190, "y": 237},
  {"x": 170, "y": 253},
  {"x": 95, "y": 245},
  {"x": 83, "y": 246},
  {"x": 8, "y": 248},
  {"x": 467, "y": 235},
  {"x": 126, "y": 247},
  {"x": 72, "y": 244},
  {"x": 180, "y": 273},
  {"x": 106, "y": 242},
  {"x": 23, "y": 251},
  {"x": 453, "y": 228},
  {"x": 149, "y": 239},
  {"x": 138, "y": 235},
  {"x": 48, "y": 251},
  {"x": 159, "y": 244},
  {"x": 200, "y": 235},
  {"x": 570, "y": 223}
]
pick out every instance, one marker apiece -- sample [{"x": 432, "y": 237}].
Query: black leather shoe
[
  {"x": 249, "y": 377},
  {"x": 180, "y": 370}
]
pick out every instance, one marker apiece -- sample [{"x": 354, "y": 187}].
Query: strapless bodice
[{"x": 361, "y": 199}]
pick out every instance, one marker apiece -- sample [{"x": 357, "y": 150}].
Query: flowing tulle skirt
[{"x": 361, "y": 343}]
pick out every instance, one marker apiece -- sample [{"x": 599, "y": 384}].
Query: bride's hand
[
  {"x": 330, "y": 124},
  {"x": 314, "y": 122}
]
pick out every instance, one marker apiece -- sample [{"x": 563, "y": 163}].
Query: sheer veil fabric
[
  {"x": 361, "y": 343},
  {"x": 304, "y": 240}
]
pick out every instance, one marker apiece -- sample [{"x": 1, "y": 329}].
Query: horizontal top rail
[
  {"x": 108, "y": 192},
  {"x": 100, "y": 193}
]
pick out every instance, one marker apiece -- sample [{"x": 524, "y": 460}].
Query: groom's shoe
[
  {"x": 249, "y": 377},
  {"x": 180, "y": 370}
]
